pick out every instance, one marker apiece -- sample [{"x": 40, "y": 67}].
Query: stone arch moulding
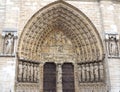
[{"x": 62, "y": 16}]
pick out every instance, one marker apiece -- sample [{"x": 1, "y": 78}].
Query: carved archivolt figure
[{"x": 9, "y": 44}]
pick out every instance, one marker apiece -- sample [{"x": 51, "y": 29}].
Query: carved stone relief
[
  {"x": 91, "y": 72},
  {"x": 28, "y": 72},
  {"x": 66, "y": 19},
  {"x": 57, "y": 35},
  {"x": 9, "y": 42},
  {"x": 57, "y": 47},
  {"x": 112, "y": 45},
  {"x": 27, "y": 87}
]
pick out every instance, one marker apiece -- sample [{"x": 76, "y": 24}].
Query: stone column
[
  {"x": 76, "y": 78},
  {"x": 41, "y": 77},
  {"x": 59, "y": 77}
]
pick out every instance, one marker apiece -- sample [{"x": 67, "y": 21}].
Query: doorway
[
  {"x": 68, "y": 77},
  {"x": 49, "y": 84}
]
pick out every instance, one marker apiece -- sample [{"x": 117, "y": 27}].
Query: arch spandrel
[{"x": 74, "y": 24}]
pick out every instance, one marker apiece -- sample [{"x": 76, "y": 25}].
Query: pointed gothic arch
[{"x": 71, "y": 21}]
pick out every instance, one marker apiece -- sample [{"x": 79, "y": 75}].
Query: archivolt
[{"x": 71, "y": 21}]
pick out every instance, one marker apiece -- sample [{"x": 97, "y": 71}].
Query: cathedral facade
[{"x": 59, "y": 46}]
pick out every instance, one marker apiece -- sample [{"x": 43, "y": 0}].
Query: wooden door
[
  {"x": 68, "y": 77},
  {"x": 49, "y": 84}
]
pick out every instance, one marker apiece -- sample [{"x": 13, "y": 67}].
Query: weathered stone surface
[
  {"x": 104, "y": 15},
  {"x": 7, "y": 74}
]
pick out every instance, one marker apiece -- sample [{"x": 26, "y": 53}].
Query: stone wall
[
  {"x": 117, "y": 15},
  {"x": 2, "y": 18},
  {"x": 7, "y": 74},
  {"x": 114, "y": 69}
]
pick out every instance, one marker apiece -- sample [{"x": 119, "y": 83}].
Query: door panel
[
  {"x": 68, "y": 77},
  {"x": 49, "y": 84}
]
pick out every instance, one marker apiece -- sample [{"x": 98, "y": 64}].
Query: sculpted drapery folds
[
  {"x": 112, "y": 43},
  {"x": 9, "y": 42}
]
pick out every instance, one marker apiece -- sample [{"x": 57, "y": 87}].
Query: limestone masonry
[{"x": 59, "y": 46}]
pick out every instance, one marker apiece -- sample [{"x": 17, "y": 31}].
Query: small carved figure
[
  {"x": 96, "y": 71},
  {"x": 113, "y": 48},
  {"x": 31, "y": 72},
  {"x": 24, "y": 72},
  {"x": 9, "y": 44},
  {"x": 83, "y": 72},
  {"x": 35, "y": 72},
  {"x": 60, "y": 48},
  {"x": 28, "y": 72},
  {"x": 59, "y": 77},
  {"x": 80, "y": 73},
  {"x": 101, "y": 72},
  {"x": 87, "y": 72},
  {"x": 91, "y": 72}
]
